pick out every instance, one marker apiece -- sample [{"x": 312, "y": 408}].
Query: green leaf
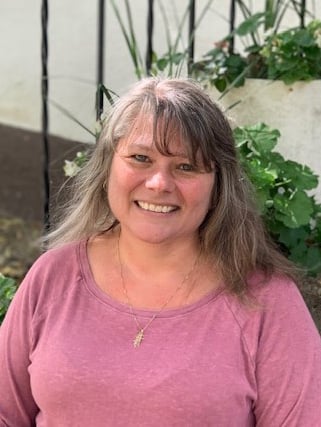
[
  {"x": 294, "y": 211},
  {"x": 302, "y": 38},
  {"x": 260, "y": 176},
  {"x": 301, "y": 176},
  {"x": 251, "y": 24},
  {"x": 220, "y": 84},
  {"x": 313, "y": 259},
  {"x": 162, "y": 63},
  {"x": 8, "y": 288},
  {"x": 263, "y": 138},
  {"x": 262, "y": 200},
  {"x": 291, "y": 237},
  {"x": 177, "y": 57},
  {"x": 309, "y": 258}
]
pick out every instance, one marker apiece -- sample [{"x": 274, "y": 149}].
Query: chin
[
  {"x": 162, "y": 236},
  {"x": 155, "y": 239}
]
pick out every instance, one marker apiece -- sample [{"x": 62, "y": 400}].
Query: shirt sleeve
[
  {"x": 17, "y": 407},
  {"x": 288, "y": 365}
]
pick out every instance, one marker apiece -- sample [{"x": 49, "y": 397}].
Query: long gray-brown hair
[{"x": 232, "y": 234}]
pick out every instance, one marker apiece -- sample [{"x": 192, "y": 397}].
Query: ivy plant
[
  {"x": 291, "y": 214},
  {"x": 294, "y": 54},
  {"x": 290, "y": 55}
]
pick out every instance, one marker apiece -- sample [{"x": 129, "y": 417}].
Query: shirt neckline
[{"x": 102, "y": 296}]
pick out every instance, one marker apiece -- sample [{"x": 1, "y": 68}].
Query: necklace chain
[{"x": 141, "y": 330}]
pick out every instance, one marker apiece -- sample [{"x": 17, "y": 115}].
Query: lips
[{"x": 151, "y": 207}]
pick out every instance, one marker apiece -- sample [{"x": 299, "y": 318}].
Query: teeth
[{"x": 156, "y": 208}]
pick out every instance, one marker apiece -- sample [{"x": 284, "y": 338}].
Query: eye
[
  {"x": 186, "y": 167},
  {"x": 140, "y": 158}
]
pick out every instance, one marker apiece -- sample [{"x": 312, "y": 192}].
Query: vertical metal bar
[
  {"x": 232, "y": 25},
  {"x": 150, "y": 28},
  {"x": 302, "y": 13},
  {"x": 45, "y": 116},
  {"x": 100, "y": 59},
  {"x": 191, "y": 36}
]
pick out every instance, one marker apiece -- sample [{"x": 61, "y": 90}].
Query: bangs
[{"x": 171, "y": 123}]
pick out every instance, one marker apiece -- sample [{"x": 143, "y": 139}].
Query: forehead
[{"x": 155, "y": 135}]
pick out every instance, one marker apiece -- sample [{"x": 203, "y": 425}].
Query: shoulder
[
  {"x": 266, "y": 297},
  {"x": 278, "y": 299},
  {"x": 54, "y": 271},
  {"x": 275, "y": 316},
  {"x": 269, "y": 296},
  {"x": 285, "y": 315},
  {"x": 54, "y": 262},
  {"x": 58, "y": 254},
  {"x": 54, "y": 275},
  {"x": 274, "y": 293}
]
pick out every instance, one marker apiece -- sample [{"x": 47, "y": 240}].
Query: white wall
[
  {"x": 72, "y": 56},
  {"x": 20, "y": 63},
  {"x": 295, "y": 110}
]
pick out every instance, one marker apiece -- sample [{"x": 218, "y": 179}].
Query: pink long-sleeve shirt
[{"x": 67, "y": 357}]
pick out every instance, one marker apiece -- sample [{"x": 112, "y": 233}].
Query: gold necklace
[{"x": 141, "y": 330}]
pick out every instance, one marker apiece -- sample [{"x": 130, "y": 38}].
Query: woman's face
[{"x": 157, "y": 198}]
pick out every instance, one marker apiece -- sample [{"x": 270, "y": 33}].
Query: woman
[{"x": 161, "y": 301}]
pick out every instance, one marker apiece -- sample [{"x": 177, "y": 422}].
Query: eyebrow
[
  {"x": 149, "y": 149},
  {"x": 139, "y": 145}
]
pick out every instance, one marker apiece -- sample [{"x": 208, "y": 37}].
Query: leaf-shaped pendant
[{"x": 138, "y": 338}]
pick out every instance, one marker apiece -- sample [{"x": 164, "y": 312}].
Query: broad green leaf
[
  {"x": 291, "y": 237},
  {"x": 295, "y": 211},
  {"x": 259, "y": 175},
  {"x": 162, "y": 63},
  {"x": 313, "y": 259},
  {"x": 302, "y": 38},
  {"x": 298, "y": 253},
  {"x": 307, "y": 257},
  {"x": 263, "y": 137},
  {"x": 301, "y": 176},
  {"x": 251, "y": 24},
  {"x": 220, "y": 84}
]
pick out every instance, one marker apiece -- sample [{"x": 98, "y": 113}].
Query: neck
[
  {"x": 156, "y": 274},
  {"x": 172, "y": 284},
  {"x": 151, "y": 258}
]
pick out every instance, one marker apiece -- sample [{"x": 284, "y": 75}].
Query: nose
[{"x": 160, "y": 181}]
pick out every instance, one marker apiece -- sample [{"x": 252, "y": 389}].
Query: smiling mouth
[{"x": 151, "y": 207}]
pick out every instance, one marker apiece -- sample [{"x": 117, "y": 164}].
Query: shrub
[
  {"x": 290, "y": 55},
  {"x": 8, "y": 288},
  {"x": 292, "y": 216}
]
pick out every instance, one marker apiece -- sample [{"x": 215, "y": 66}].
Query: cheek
[
  {"x": 201, "y": 193},
  {"x": 114, "y": 186},
  {"x": 121, "y": 181}
]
